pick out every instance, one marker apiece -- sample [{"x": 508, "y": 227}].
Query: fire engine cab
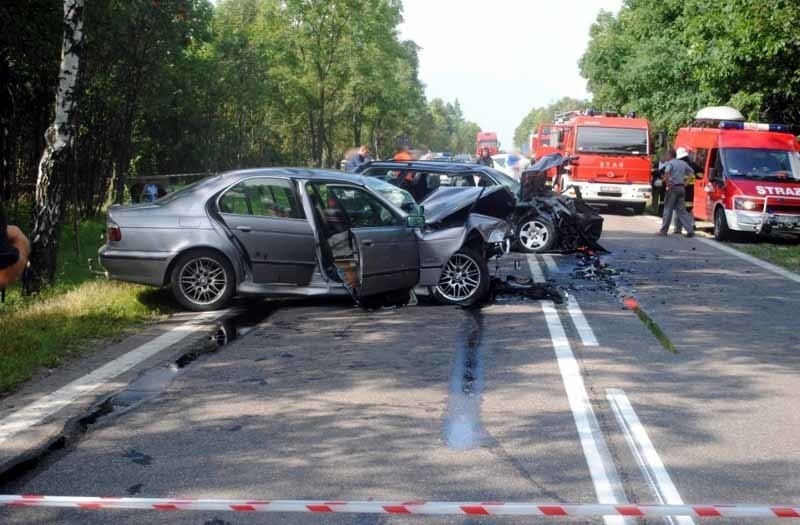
[
  {"x": 611, "y": 155},
  {"x": 751, "y": 173}
]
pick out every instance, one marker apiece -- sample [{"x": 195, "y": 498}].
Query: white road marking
[
  {"x": 536, "y": 270},
  {"x": 649, "y": 461},
  {"x": 754, "y": 260},
  {"x": 49, "y": 404},
  {"x": 581, "y": 324},
  {"x": 606, "y": 481},
  {"x": 552, "y": 267},
  {"x": 792, "y": 276}
]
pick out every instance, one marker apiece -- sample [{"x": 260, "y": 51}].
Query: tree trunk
[{"x": 55, "y": 162}]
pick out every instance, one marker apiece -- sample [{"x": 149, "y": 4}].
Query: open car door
[{"x": 366, "y": 242}]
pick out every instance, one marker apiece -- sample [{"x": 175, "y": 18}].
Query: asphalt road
[{"x": 324, "y": 401}]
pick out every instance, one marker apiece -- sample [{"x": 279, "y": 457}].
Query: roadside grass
[
  {"x": 71, "y": 316},
  {"x": 785, "y": 253}
]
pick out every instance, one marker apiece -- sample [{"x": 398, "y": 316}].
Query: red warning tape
[{"x": 406, "y": 507}]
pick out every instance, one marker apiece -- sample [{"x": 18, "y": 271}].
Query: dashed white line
[
  {"x": 606, "y": 481},
  {"x": 536, "y": 270},
  {"x": 552, "y": 267},
  {"x": 49, "y": 404},
  {"x": 644, "y": 452},
  {"x": 581, "y": 324}
]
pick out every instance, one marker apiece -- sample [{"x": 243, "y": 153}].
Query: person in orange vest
[
  {"x": 14, "y": 252},
  {"x": 403, "y": 153}
]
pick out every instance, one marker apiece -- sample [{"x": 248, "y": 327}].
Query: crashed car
[
  {"x": 303, "y": 232},
  {"x": 543, "y": 221}
]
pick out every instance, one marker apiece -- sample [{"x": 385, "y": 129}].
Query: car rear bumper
[
  {"x": 621, "y": 194},
  {"x": 134, "y": 266}
]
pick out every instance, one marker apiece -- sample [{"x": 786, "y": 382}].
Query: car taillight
[{"x": 114, "y": 233}]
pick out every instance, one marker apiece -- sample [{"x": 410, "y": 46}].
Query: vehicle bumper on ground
[
  {"x": 613, "y": 193},
  {"x": 758, "y": 222},
  {"x": 135, "y": 266}
]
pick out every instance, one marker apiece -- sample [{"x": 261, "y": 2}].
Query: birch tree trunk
[{"x": 56, "y": 159}]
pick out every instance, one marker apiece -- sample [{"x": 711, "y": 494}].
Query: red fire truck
[
  {"x": 611, "y": 156},
  {"x": 487, "y": 139},
  {"x": 751, "y": 173}
]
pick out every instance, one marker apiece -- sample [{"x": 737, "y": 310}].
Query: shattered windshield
[
  {"x": 399, "y": 197},
  {"x": 622, "y": 141},
  {"x": 761, "y": 164}
]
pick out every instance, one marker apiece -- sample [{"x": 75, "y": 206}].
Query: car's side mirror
[
  {"x": 415, "y": 221},
  {"x": 714, "y": 176}
]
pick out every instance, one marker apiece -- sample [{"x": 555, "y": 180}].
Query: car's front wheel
[
  {"x": 464, "y": 280},
  {"x": 202, "y": 280},
  {"x": 536, "y": 235}
]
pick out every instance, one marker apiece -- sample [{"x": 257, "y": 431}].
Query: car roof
[
  {"x": 422, "y": 165},
  {"x": 296, "y": 173}
]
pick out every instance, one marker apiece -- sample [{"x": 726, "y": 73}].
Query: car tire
[
  {"x": 464, "y": 280},
  {"x": 202, "y": 280},
  {"x": 535, "y": 235},
  {"x": 721, "y": 230}
]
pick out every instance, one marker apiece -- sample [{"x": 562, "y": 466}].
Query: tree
[
  {"x": 665, "y": 59},
  {"x": 539, "y": 115},
  {"x": 56, "y": 159}
]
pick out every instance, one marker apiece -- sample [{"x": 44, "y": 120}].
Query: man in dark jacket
[
  {"x": 14, "y": 252},
  {"x": 486, "y": 158}
]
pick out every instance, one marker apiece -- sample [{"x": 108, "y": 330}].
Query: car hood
[{"x": 495, "y": 201}]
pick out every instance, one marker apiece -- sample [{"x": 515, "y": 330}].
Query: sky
[{"x": 492, "y": 55}]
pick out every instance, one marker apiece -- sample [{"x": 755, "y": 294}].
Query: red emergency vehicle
[
  {"x": 611, "y": 156},
  {"x": 751, "y": 175},
  {"x": 486, "y": 139}
]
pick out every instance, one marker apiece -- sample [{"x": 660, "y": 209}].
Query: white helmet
[{"x": 681, "y": 153}]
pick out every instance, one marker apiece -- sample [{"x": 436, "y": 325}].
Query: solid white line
[
  {"x": 552, "y": 267},
  {"x": 581, "y": 324},
  {"x": 604, "y": 475},
  {"x": 645, "y": 453},
  {"x": 754, "y": 260},
  {"x": 49, "y": 404},
  {"x": 536, "y": 270}
]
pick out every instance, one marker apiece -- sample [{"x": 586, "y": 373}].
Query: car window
[
  {"x": 356, "y": 206},
  {"x": 262, "y": 197}
]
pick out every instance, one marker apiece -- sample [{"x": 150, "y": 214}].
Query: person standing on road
[
  {"x": 14, "y": 252},
  {"x": 361, "y": 157},
  {"x": 486, "y": 158},
  {"x": 150, "y": 192},
  {"x": 675, "y": 173}
]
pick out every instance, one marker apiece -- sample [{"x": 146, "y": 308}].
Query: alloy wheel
[
  {"x": 534, "y": 235},
  {"x": 461, "y": 278},
  {"x": 203, "y": 281}
]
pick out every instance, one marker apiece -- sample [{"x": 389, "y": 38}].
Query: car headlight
[
  {"x": 497, "y": 236},
  {"x": 747, "y": 204}
]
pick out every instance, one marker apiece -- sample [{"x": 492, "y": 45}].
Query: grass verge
[
  {"x": 69, "y": 317},
  {"x": 785, "y": 254}
]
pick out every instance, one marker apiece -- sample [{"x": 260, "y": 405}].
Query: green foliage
[
  {"x": 539, "y": 115},
  {"x": 443, "y": 128},
  {"x": 665, "y": 59}
]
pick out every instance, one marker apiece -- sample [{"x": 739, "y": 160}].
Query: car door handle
[
  {"x": 367, "y": 242},
  {"x": 244, "y": 228}
]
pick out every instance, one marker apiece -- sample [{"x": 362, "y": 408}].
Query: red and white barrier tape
[{"x": 491, "y": 508}]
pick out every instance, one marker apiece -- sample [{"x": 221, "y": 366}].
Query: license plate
[
  {"x": 610, "y": 189},
  {"x": 787, "y": 219}
]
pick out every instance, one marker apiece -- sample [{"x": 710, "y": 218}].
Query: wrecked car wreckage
[
  {"x": 550, "y": 221},
  {"x": 283, "y": 232},
  {"x": 543, "y": 221}
]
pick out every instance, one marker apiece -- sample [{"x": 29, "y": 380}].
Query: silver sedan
[{"x": 293, "y": 231}]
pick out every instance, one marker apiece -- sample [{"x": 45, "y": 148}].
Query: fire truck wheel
[
  {"x": 721, "y": 230},
  {"x": 536, "y": 235}
]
